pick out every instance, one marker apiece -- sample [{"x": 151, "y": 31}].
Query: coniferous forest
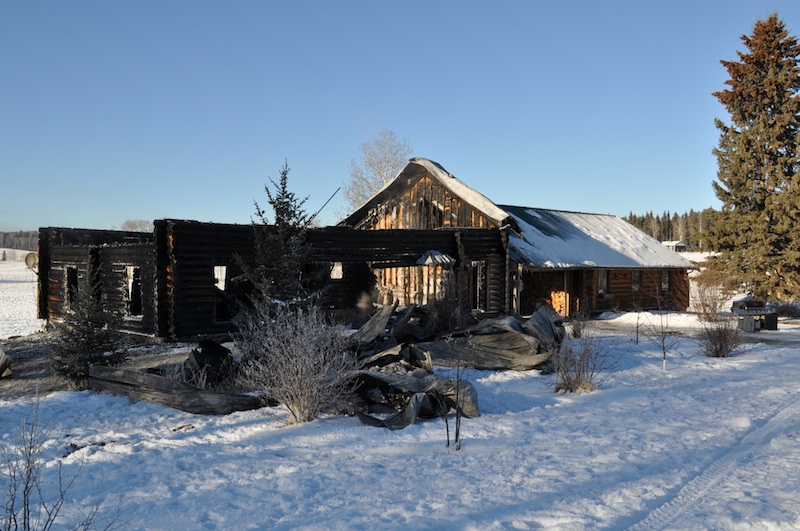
[
  {"x": 687, "y": 227},
  {"x": 24, "y": 240}
]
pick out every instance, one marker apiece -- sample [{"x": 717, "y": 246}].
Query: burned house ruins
[{"x": 423, "y": 236}]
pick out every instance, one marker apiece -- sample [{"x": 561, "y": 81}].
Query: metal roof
[{"x": 556, "y": 239}]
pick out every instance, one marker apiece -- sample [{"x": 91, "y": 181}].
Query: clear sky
[{"x": 184, "y": 109}]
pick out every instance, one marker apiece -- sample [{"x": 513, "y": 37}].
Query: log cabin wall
[
  {"x": 128, "y": 285},
  {"x": 541, "y": 287},
  {"x": 666, "y": 289}
]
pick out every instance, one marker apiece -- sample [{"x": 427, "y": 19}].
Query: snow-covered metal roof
[{"x": 562, "y": 240}]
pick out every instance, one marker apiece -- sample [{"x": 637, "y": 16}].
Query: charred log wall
[
  {"x": 50, "y": 237},
  {"x": 128, "y": 285},
  {"x": 68, "y": 265},
  {"x": 188, "y": 295}
]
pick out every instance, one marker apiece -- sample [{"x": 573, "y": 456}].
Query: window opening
[
  {"x": 72, "y": 287},
  {"x": 223, "y": 308},
  {"x": 133, "y": 284}
]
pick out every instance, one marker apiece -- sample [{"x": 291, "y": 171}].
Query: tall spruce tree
[
  {"x": 282, "y": 256},
  {"x": 757, "y": 230}
]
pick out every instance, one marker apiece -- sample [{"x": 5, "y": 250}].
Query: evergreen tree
[
  {"x": 282, "y": 268},
  {"x": 758, "y": 227}
]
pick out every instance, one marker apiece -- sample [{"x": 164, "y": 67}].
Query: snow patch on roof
[{"x": 560, "y": 239}]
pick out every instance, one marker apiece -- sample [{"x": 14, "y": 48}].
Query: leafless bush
[
  {"x": 720, "y": 338},
  {"x": 578, "y": 362},
  {"x": 23, "y": 484},
  {"x": 296, "y": 358},
  {"x": 580, "y": 322},
  {"x": 88, "y": 335}
]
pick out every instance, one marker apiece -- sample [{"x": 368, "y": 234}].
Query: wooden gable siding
[
  {"x": 424, "y": 204},
  {"x": 114, "y": 263}
]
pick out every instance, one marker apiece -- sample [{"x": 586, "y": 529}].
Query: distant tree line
[
  {"x": 687, "y": 227},
  {"x": 25, "y": 240}
]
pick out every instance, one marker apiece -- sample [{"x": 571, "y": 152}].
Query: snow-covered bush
[
  {"x": 720, "y": 338},
  {"x": 295, "y": 357}
]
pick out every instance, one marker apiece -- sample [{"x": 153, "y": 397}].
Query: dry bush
[
  {"x": 578, "y": 362},
  {"x": 295, "y": 357},
  {"x": 720, "y": 338},
  {"x": 88, "y": 335}
]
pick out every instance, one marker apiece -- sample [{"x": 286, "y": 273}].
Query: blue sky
[{"x": 184, "y": 109}]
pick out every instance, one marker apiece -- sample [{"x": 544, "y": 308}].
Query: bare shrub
[
  {"x": 720, "y": 338},
  {"x": 88, "y": 335},
  {"x": 579, "y": 361},
  {"x": 580, "y": 322},
  {"x": 294, "y": 356},
  {"x": 24, "y": 482}
]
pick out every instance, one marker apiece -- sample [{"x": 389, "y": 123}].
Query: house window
[
  {"x": 602, "y": 281},
  {"x": 133, "y": 293},
  {"x": 72, "y": 287},
  {"x": 665, "y": 280},
  {"x": 636, "y": 280}
]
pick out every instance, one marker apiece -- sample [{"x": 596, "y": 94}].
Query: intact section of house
[
  {"x": 573, "y": 261},
  {"x": 578, "y": 261}
]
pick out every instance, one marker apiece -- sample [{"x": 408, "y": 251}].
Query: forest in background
[
  {"x": 687, "y": 227},
  {"x": 24, "y": 240}
]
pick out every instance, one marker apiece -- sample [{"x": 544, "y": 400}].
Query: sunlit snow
[{"x": 710, "y": 443}]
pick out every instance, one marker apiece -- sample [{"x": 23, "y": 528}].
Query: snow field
[{"x": 710, "y": 443}]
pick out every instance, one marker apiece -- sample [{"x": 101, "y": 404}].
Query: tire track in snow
[{"x": 690, "y": 493}]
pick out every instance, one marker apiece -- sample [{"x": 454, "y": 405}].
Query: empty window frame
[
  {"x": 223, "y": 307},
  {"x": 133, "y": 291},
  {"x": 71, "y": 282},
  {"x": 636, "y": 281}
]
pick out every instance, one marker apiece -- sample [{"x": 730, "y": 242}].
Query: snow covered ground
[
  {"x": 17, "y": 297},
  {"x": 708, "y": 444}
]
